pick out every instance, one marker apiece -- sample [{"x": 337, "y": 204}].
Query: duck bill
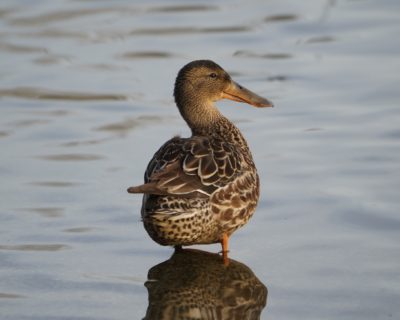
[{"x": 236, "y": 92}]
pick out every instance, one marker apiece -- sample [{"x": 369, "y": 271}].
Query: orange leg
[{"x": 224, "y": 243}]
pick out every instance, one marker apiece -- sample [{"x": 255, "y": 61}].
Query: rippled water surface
[{"x": 86, "y": 99}]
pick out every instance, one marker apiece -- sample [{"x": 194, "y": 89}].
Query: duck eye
[{"x": 213, "y": 75}]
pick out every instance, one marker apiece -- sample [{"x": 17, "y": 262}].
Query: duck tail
[{"x": 149, "y": 188}]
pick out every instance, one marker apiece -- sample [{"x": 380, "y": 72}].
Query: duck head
[{"x": 204, "y": 82}]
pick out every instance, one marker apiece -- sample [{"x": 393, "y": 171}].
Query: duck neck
[
  {"x": 204, "y": 119},
  {"x": 200, "y": 115}
]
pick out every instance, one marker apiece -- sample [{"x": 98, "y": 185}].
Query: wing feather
[{"x": 196, "y": 166}]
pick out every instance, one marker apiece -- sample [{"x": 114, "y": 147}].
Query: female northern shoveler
[{"x": 199, "y": 190}]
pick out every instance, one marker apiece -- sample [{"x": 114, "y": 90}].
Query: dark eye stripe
[{"x": 213, "y": 75}]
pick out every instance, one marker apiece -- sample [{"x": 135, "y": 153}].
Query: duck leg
[
  {"x": 178, "y": 248},
  {"x": 224, "y": 243}
]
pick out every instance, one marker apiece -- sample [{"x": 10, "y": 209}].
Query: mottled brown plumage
[
  {"x": 199, "y": 190},
  {"x": 195, "y": 285}
]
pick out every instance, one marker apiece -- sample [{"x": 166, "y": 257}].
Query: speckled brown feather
[
  {"x": 184, "y": 171},
  {"x": 198, "y": 189}
]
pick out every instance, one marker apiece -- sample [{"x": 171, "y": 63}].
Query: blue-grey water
[{"x": 86, "y": 99}]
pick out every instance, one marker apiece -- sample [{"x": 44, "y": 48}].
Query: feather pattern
[
  {"x": 191, "y": 166},
  {"x": 198, "y": 189}
]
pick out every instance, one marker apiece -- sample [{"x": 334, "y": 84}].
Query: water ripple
[
  {"x": 48, "y": 212},
  {"x": 47, "y": 94},
  {"x": 250, "y": 54},
  {"x": 4, "y": 134},
  {"x": 49, "y": 59},
  {"x": 127, "y": 125},
  {"x": 145, "y": 55},
  {"x": 57, "y": 16},
  {"x": 17, "y": 48},
  {"x": 281, "y": 18},
  {"x": 189, "y": 30},
  {"x": 54, "y": 184},
  {"x": 34, "y": 247},
  {"x": 71, "y": 157},
  {"x": 183, "y": 8},
  {"x": 10, "y": 296},
  {"x": 320, "y": 39},
  {"x": 79, "y": 230}
]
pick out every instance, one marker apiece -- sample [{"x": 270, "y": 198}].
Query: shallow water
[{"x": 86, "y": 99}]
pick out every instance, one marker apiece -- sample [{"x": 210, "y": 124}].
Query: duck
[{"x": 200, "y": 189}]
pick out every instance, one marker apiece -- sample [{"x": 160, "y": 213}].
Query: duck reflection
[{"x": 195, "y": 284}]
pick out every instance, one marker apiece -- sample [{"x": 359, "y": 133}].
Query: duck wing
[{"x": 193, "y": 167}]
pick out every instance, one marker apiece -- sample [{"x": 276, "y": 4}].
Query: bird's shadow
[{"x": 195, "y": 284}]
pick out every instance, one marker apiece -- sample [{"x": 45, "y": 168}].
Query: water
[{"x": 86, "y": 99}]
